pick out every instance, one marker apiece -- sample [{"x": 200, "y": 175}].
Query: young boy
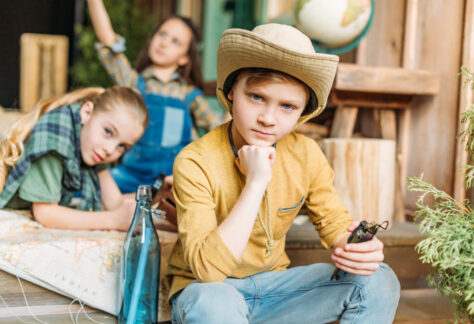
[{"x": 239, "y": 188}]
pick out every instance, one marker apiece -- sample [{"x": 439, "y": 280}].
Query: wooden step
[
  {"x": 304, "y": 247},
  {"x": 423, "y": 306}
]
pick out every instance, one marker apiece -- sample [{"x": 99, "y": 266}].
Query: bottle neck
[
  {"x": 143, "y": 203},
  {"x": 140, "y": 203},
  {"x": 144, "y": 217}
]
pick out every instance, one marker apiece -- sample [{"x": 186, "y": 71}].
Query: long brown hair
[
  {"x": 11, "y": 144},
  {"x": 191, "y": 71}
]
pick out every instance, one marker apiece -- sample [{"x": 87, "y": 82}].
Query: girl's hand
[
  {"x": 359, "y": 258},
  {"x": 123, "y": 215},
  {"x": 168, "y": 185},
  {"x": 256, "y": 162}
]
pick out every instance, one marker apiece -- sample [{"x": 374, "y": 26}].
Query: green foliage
[
  {"x": 131, "y": 19},
  {"x": 449, "y": 228}
]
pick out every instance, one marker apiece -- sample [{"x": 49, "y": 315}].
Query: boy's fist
[{"x": 256, "y": 162}]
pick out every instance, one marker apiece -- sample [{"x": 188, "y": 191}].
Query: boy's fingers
[
  {"x": 364, "y": 269},
  {"x": 353, "y": 226},
  {"x": 373, "y": 245},
  {"x": 376, "y": 256}
]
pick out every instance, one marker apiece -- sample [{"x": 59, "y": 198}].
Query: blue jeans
[{"x": 298, "y": 295}]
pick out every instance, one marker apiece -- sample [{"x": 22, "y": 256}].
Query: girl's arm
[
  {"x": 101, "y": 22},
  {"x": 114, "y": 60},
  {"x": 111, "y": 195},
  {"x": 55, "y": 216}
]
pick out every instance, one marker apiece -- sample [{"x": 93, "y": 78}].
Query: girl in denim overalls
[{"x": 167, "y": 74}]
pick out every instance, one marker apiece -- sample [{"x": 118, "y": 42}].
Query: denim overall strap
[
  {"x": 190, "y": 97},
  {"x": 169, "y": 130},
  {"x": 141, "y": 86}
]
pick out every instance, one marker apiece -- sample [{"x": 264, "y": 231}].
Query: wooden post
[
  {"x": 43, "y": 68},
  {"x": 465, "y": 101},
  {"x": 408, "y": 62},
  {"x": 364, "y": 175},
  {"x": 344, "y": 121}
]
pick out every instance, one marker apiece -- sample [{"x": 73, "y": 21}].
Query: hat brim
[{"x": 240, "y": 48}]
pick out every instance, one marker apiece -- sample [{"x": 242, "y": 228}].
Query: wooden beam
[
  {"x": 370, "y": 100},
  {"x": 388, "y": 124},
  {"x": 344, "y": 121},
  {"x": 403, "y": 142},
  {"x": 465, "y": 101},
  {"x": 352, "y": 77}
]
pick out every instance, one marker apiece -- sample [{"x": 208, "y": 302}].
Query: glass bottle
[
  {"x": 140, "y": 266},
  {"x": 143, "y": 198}
]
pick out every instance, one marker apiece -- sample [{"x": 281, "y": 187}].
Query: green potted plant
[{"x": 449, "y": 228}]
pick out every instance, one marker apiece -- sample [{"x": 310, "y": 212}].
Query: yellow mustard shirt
[{"x": 207, "y": 183}]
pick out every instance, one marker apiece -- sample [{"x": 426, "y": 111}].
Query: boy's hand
[
  {"x": 123, "y": 215},
  {"x": 256, "y": 163},
  {"x": 359, "y": 258}
]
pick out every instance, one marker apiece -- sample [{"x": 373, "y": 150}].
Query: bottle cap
[{"x": 143, "y": 192}]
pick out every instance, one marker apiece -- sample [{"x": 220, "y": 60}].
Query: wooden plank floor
[
  {"x": 423, "y": 306},
  {"x": 417, "y": 306},
  {"x": 44, "y": 304}
]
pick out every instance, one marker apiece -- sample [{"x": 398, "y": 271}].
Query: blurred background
[{"x": 409, "y": 34}]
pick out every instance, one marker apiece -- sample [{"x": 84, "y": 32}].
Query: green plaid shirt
[
  {"x": 58, "y": 131},
  {"x": 122, "y": 73}
]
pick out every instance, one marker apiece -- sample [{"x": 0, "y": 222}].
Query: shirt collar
[{"x": 147, "y": 73}]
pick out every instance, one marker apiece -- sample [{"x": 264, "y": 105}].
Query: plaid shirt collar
[{"x": 147, "y": 73}]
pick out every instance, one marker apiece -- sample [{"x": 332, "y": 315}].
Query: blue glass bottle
[
  {"x": 140, "y": 266},
  {"x": 143, "y": 198}
]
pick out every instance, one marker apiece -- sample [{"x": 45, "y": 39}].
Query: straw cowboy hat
[{"x": 276, "y": 47}]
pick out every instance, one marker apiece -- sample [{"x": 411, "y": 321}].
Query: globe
[{"x": 334, "y": 24}]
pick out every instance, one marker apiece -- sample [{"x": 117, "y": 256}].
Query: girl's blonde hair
[{"x": 11, "y": 143}]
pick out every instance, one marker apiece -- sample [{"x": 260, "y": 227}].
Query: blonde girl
[
  {"x": 64, "y": 147},
  {"x": 167, "y": 73}
]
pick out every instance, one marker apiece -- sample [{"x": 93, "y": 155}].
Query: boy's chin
[{"x": 261, "y": 143}]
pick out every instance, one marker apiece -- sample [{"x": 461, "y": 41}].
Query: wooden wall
[
  {"x": 423, "y": 35},
  {"x": 431, "y": 41},
  {"x": 433, "y": 126}
]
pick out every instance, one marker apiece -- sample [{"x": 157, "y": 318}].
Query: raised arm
[{"x": 101, "y": 22}]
